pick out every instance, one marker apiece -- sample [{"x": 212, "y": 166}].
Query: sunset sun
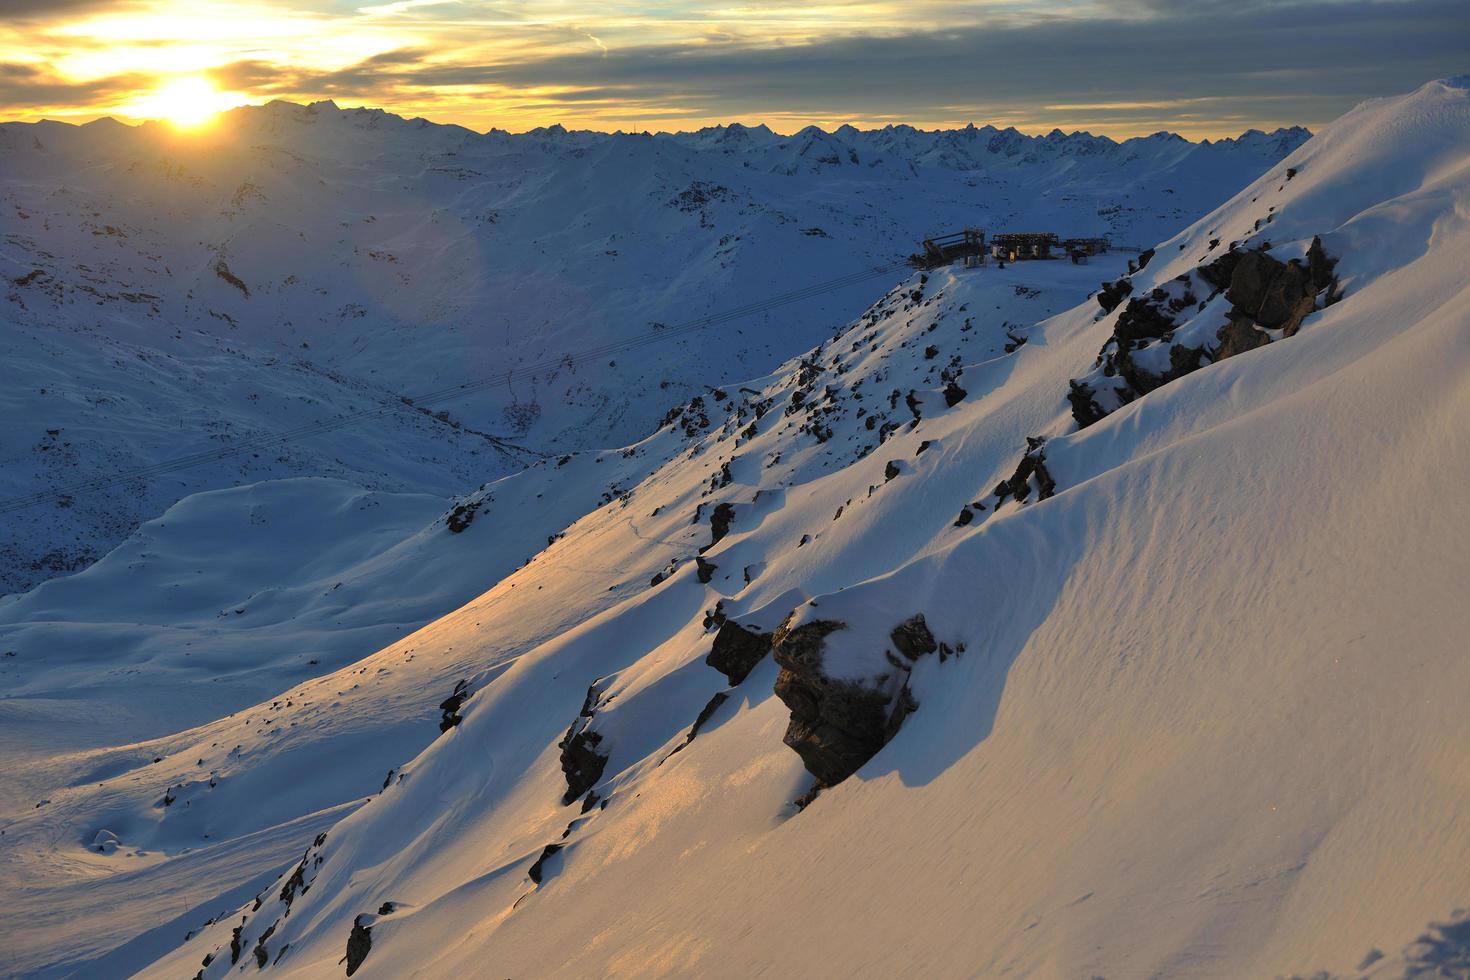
[{"x": 187, "y": 103}]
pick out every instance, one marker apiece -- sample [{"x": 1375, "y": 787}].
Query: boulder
[
  {"x": 736, "y": 650},
  {"x": 1250, "y": 280},
  {"x": 838, "y": 724},
  {"x": 1288, "y": 298}
]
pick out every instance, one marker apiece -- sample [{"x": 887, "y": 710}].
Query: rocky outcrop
[
  {"x": 449, "y": 707},
  {"x": 359, "y": 944},
  {"x": 736, "y": 650},
  {"x": 538, "y": 868},
  {"x": 837, "y": 724},
  {"x": 1112, "y": 294},
  {"x": 1031, "y": 469},
  {"x": 1269, "y": 299},
  {"x": 581, "y": 762},
  {"x": 719, "y": 524}
]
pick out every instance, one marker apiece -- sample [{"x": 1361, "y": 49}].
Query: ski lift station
[{"x": 969, "y": 246}]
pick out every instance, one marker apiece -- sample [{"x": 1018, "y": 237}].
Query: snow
[
  {"x": 1202, "y": 714},
  {"x": 164, "y": 295}
]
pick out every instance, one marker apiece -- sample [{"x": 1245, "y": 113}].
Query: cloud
[
  {"x": 24, "y": 86},
  {"x": 1204, "y": 67}
]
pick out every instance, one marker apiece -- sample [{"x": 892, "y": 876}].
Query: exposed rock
[
  {"x": 359, "y": 944},
  {"x": 450, "y": 706},
  {"x": 705, "y": 714},
  {"x": 912, "y": 638},
  {"x": 1113, "y": 294},
  {"x": 262, "y": 955},
  {"x": 462, "y": 516},
  {"x": 953, "y": 394},
  {"x": 580, "y": 761},
  {"x": 891, "y": 470},
  {"x": 538, "y": 868},
  {"x": 1320, "y": 265},
  {"x": 703, "y": 570},
  {"x": 1085, "y": 408},
  {"x": 1239, "y": 335},
  {"x": 719, "y": 524},
  {"x": 1032, "y": 465},
  {"x": 1265, "y": 295},
  {"x": 838, "y": 724},
  {"x": 1143, "y": 318},
  {"x": 736, "y": 650},
  {"x": 1219, "y": 272}
]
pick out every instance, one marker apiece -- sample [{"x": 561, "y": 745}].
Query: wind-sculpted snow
[
  {"x": 165, "y": 296},
  {"x": 1174, "y": 693}
]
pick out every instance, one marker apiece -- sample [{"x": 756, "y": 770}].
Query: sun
[{"x": 187, "y": 103}]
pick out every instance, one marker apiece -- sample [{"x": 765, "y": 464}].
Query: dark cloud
[
  {"x": 28, "y": 10},
  {"x": 25, "y": 86},
  {"x": 1248, "y": 59}
]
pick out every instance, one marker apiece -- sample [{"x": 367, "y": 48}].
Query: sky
[{"x": 1202, "y": 68}]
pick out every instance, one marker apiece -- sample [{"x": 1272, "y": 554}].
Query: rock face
[
  {"x": 736, "y": 650},
  {"x": 838, "y": 724},
  {"x": 1113, "y": 294},
  {"x": 1147, "y": 349},
  {"x": 581, "y": 763},
  {"x": 359, "y": 944},
  {"x": 719, "y": 524}
]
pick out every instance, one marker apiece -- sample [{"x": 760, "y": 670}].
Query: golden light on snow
[{"x": 187, "y": 103}]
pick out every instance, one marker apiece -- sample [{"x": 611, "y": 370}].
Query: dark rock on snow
[
  {"x": 736, "y": 650},
  {"x": 837, "y": 724},
  {"x": 538, "y": 868},
  {"x": 359, "y": 944},
  {"x": 580, "y": 761},
  {"x": 719, "y": 524}
]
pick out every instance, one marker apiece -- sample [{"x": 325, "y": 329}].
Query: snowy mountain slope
[
  {"x": 1188, "y": 706},
  {"x": 166, "y": 295},
  {"x": 369, "y": 717}
]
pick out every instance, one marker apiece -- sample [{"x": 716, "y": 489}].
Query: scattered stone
[{"x": 1033, "y": 464}]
